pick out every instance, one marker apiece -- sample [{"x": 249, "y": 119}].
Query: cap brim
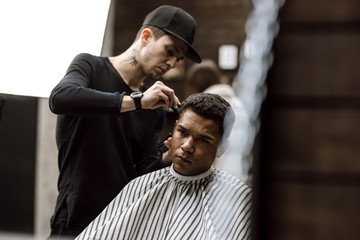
[{"x": 191, "y": 53}]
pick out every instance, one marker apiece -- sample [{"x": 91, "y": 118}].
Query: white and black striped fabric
[{"x": 166, "y": 205}]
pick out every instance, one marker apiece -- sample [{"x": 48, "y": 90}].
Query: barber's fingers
[
  {"x": 167, "y": 95},
  {"x": 169, "y": 101},
  {"x": 167, "y": 142},
  {"x": 173, "y": 100},
  {"x": 176, "y": 102},
  {"x": 160, "y": 95},
  {"x": 166, "y": 157}
]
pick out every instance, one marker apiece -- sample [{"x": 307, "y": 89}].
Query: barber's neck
[{"x": 128, "y": 67}]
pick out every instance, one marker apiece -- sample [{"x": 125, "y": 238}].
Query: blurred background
[{"x": 293, "y": 65}]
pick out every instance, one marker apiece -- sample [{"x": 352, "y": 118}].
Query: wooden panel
[
  {"x": 316, "y": 64},
  {"x": 315, "y": 212},
  {"x": 309, "y": 171},
  {"x": 218, "y": 24},
  {"x": 321, "y": 11},
  {"x": 325, "y": 140}
]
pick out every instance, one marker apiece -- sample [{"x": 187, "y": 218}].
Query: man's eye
[
  {"x": 179, "y": 59},
  {"x": 170, "y": 52},
  {"x": 203, "y": 140},
  {"x": 183, "y": 132}
]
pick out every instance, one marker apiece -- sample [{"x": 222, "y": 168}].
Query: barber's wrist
[{"x": 127, "y": 104}]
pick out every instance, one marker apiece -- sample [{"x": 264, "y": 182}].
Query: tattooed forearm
[{"x": 132, "y": 58}]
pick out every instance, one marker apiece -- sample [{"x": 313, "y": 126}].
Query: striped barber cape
[{"x": 166, "y": 205}]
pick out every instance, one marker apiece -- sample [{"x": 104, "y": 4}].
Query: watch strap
[{"x": 137, "y": 103}]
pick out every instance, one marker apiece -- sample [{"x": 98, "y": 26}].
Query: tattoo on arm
[{"x": 132, "y": 58}]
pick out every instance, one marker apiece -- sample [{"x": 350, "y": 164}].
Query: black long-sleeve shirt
[{"x": 100, "y": 149}]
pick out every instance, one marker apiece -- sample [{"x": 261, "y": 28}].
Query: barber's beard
[
  {"x": 153, "y": 76},
  {"x": 150, "y": 80}
]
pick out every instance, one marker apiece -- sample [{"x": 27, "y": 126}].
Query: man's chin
[
  {"x": 180, "y": 168},
  {"x": 155, "y": 76}
]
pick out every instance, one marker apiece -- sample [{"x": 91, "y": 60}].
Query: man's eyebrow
[
  {"x": 206, "y": 137},
  {"x": 183, "y": 128},
  {"x": 174, "y": 46}
]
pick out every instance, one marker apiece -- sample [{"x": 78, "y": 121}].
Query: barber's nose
[
  {"x": 188, "y": 145},
  {"x": 172, "y": 62}
]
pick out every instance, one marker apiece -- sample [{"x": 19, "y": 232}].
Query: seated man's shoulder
[
  {"x": 150, "y": 179},
  {"x": 229, "y": 181}
]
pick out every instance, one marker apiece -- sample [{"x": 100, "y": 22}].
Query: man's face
[
  {"x": 160, "y": 55},
  {"x": 194, "y": 143}
]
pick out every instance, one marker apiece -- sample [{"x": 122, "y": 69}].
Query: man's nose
[
  {"x": 188, "y": 145},
  {"x": 172, "y": 62}
]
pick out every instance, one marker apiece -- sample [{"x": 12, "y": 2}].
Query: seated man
[{"x": 190, "y": 199}]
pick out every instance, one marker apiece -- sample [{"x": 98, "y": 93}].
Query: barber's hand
[
  {"x": 166, "y": 157},
  {"x": 159, "y": 95}
]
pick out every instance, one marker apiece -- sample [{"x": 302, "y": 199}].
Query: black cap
[{"x": 176, "y": 22}]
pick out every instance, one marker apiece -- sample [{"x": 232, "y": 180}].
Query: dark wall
[
  {"x": 309, "y": 168},
  {"x": 17, "y": 163}
]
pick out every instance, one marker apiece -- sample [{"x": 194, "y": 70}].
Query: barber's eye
[
  {"x": 179, "y": 59},
  {"x": 170, "y": 52}
]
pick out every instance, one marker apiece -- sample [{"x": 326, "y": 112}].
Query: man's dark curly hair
[{"x": 211, "y": 106}]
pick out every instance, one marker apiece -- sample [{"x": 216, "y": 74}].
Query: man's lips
[
  {"x": 183, "y": 159},
  {"x": 161, "y": 71}
]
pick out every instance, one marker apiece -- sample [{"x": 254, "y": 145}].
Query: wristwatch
[{"x": 136, "y": 96}]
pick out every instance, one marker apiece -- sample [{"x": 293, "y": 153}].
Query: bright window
[{"x": 39, "y": 38}]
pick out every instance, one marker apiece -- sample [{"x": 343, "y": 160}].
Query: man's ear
[
  {"x": 222, "y": 148},
  {"x": 146, "y": 34}
]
